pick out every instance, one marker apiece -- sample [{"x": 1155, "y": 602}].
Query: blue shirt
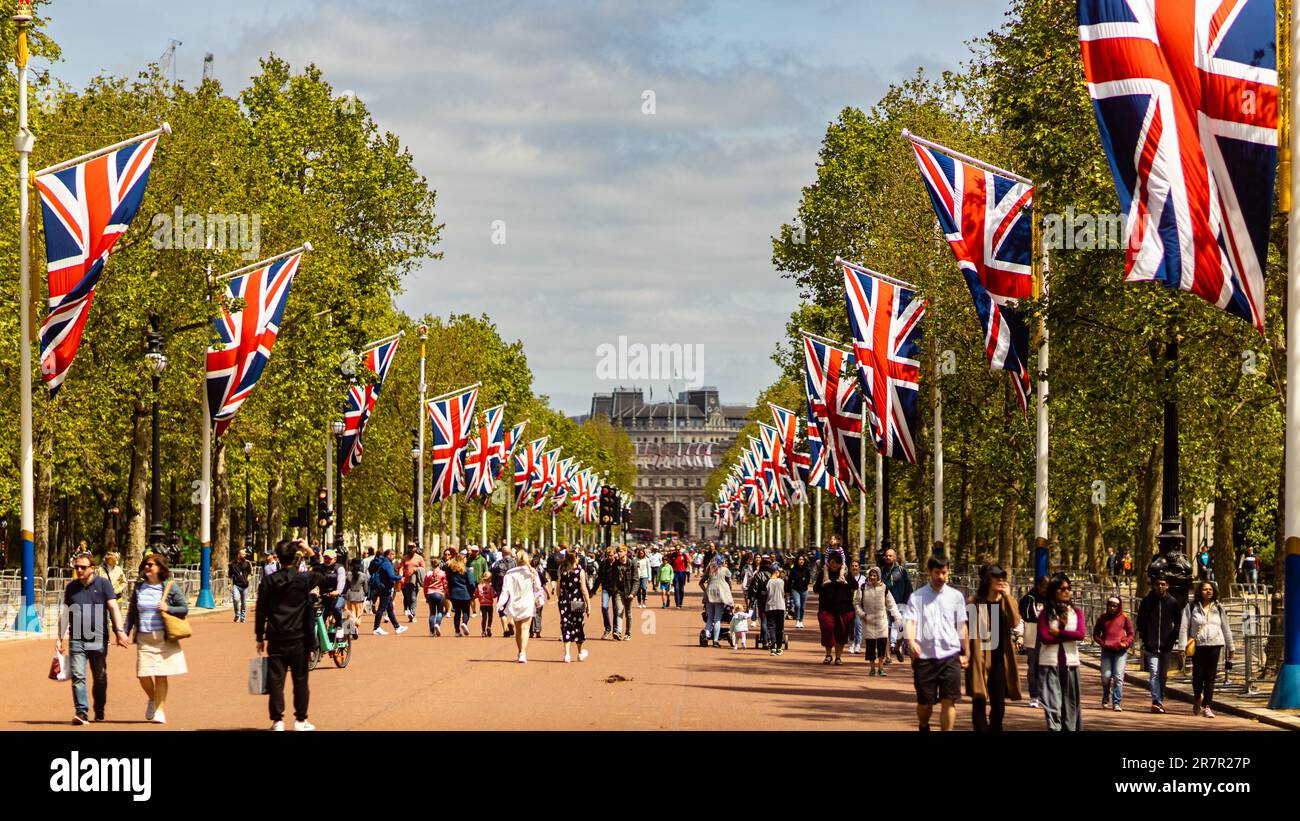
[
  {"x": 87, "y": 606},
  {"x": 148, "y": 599}
]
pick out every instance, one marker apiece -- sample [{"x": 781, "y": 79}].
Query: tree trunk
[
  {"x": 220, "y": 507},
  {"x": 1007, "y": 525},
  {"x": 1148, "y": 513},
  {"x": 1273, "y": 650},
  {"x": 275, "y": 516},
  {"x": 1224, "y": 551},
  {"x": 966, "y": 531},
  {"x": 1096, "y": 546},
  {"x": 138, "y": 491}
]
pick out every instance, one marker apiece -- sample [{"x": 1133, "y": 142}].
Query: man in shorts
[{"x": 935, "y": 627}]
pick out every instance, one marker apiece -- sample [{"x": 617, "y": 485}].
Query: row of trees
[
  {"x": 1021, "y": 103},
  {"x": 289, "y": 156}
]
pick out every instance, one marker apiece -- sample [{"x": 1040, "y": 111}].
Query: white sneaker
[
  {"x": 567, "y": 659},
  {"x": 523, "y": 658},
  {"x": 437, "y": 630},
  {"x": 1033, "y": 704},
  {"x": 379, "y": 631},
  {"x": 582, "y": 655},
  {"x": 277, "y": 727},
  {"x": 159, "y": 717},
  {"x": 149, "y": 710},
  {"x": 303, "y": 726},
  {"x": 401, "y": 628}
]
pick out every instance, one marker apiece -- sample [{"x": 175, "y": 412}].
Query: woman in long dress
[{"x": 573, "y": 598}]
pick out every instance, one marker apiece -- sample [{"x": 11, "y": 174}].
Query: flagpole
[
  {"x": 1043, "y": 440},
  {"x": 306, "y": 246},
  {"x": 966, "y": 158},
  {"x": 817, "y": 518},
  {"x": 862, "y": 489},
  {"x": 1286, "y": 691},
  {"x": 483, "y": 527},
  {"x": 419, "y": 470},
  {"x": 509, "y": 503},
  {"x": 803, "y": 514},
  {"x": 165, "y": 128},
  {"x": 29, "y": 617},
  {"x": 205, "y": 599},
  {"x": 880, "y": 502},
  {"x": 329, "y": 482}
]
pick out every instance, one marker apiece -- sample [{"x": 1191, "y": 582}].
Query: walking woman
[
  {"x": 716, "y": 584},
  {"x": 991, "y": 675},
  {"x": 460, "y": 589},
  {"x": 435, "y": 594},
  {"x": 1060, "y": 629},
  {"x": 643, "y": 577},
  {"x": 113, "y": 572},
  {"x": 157, "y": 657},
  {"x": 1204, "y": 635},
  {"x": 1113, "y": 633},
  {"x": 356, "y": 598},
  {"x": 875, "y": 606},
  {"x": 799, "y": 578},
  {"x": 834, "y": 605},
  {"x": 573, "y": 599},
  {"x": 520, "y": 591}
]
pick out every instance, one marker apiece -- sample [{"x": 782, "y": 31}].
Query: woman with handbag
[
  {"x": 1204, "y": 635},
  {"x": 157, "y": 615},
  {"x": 573, "y": 598}
]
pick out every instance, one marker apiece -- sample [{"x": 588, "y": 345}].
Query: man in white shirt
[{"x": 935, "y": 627}]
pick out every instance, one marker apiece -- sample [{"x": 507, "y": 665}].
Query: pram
[{"x": 724, "y": 634}]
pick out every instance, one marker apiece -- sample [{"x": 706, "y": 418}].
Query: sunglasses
[
  {"x": 81, "y": 566},
  {"x": 150, "y": 564}
]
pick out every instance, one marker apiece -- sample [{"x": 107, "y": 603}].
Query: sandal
[
  {"x": 839, "y": 660},
  {"x": 827, "y": 660}
]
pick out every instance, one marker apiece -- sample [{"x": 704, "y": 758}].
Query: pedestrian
[
  {"x": 111, "y": 570},
  {"x": 740, "y": 619},
  {"x": 625, "y": 589},
  {"x": 875, "y": 606},
  {"x": 478, "y": 563},
  {"x": 716, "y": 584},
  {"x": 642, "y": 577},
  {"x": 991, "y": 675},
  {"x": 1203, "y": 635},
  {"x": 835, "y": 612},
  {"x": 283, "y": 631},
  {"x": 1249, "y": 567},
  {"x": 238, "y": 572},
  {"x": 461, "y": 582},
  {"x": 1113, "y": 633},
  {"x": 521, "y": 591},
  {"x": 336, "y": 597},
  {"x": 356, "y": 595},
  {"x": 934, "y": 626},
  {"x": 270, "y": 566},
  {"x": 756, "y": 594},
  {"x": 799, "y": 578},
  {"x": 681, "y": 562},
  {"x": 485, "y": 595},
  {"x": 856, "y": 580},
  {"x": 1060, "y": 629},
  {"x": 1157, "y": 627},
  {"x": 574, "y": 600},
  {"x": 543, "y": 578},
  {"x": 656, "y": 560},
  {"x": 774, "y": 604},
  {"x": 82, "y": 620},
  {"x": 1030, "y": 605},
  {"x": 895, "y": 579},
  {"x": 412, "y": 580},
  {"x": 384, "y": 578},
  {"x": 665, "y": 582},
  {"x": 158, "y": 657},
  {"x": 435, "y": 595},
  {"x": 499, "y": 569}
]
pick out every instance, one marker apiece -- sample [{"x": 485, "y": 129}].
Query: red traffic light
[{"x": 321, "y": 494}]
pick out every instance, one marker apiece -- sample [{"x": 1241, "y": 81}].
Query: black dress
[{"x": 571, "y": 621}]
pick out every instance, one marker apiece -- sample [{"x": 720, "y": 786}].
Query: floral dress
[{"x": 571, "y": 621}]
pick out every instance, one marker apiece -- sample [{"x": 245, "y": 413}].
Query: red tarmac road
[{"x": 661, "y": 680}]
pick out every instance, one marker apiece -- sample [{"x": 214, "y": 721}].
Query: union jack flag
[
  {"x": 885, "y": 320},
  {"x": 480, "y": 476},
  {"x": 526, "y": 470},
  {"x": 591, "y": 498},
  {"x": 563, "y": 483},
  {"x": 84, "y": 209},
  {"x": 988, "y": 220},
  {"x": 544, "y": 479},
  {"x": 754, "y": 493},
  {"x": 453, "y": 424},
  {"x": 773, "y": 464},
  {"x": 1186, "y": 99},
  {"x": 513, "y": 437},
  {"x": 243, "y": 340},
  {"x": 787, "y": 423},
  {"x": 361, "y": 401},
  {"x": 835, "y": 408}
]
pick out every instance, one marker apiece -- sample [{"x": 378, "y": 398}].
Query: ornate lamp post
[
  {"x": 415, "y": 483},
  {"x": 157, "y": 359},
  {"x": 338, "y": 427}
]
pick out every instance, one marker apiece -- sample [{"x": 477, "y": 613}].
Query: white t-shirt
[
  {"x": 656, "y": 559},
  {"x": 938, "y": 618}
]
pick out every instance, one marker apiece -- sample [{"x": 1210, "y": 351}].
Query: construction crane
[
  {"x": 167, "y": 62},
  {"x": 207, "y": 66}
]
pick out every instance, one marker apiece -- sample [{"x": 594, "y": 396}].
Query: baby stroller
[{"x": 724, "y": 634}]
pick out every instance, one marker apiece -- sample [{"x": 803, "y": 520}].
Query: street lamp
[
  {"x": 156, "y": 358},
  {"x": 415, "y": 482},
  {"x": 338, "y": 427},
  {"x": 248, "y": 499}
]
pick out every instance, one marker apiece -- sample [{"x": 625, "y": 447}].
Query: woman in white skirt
[
  {"x": 521, "y": 595},
  {"x": 156, "y": 658}
]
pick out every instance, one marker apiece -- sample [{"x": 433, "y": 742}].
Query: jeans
[
  {"x": 679, "y": 586},
  {"x": 434, "y": 601},
  {"x": 857, "y": 630},
  {"x": 291, "y": 655},
  {"x": 775, "y": 625},
  {"x": 604, "y": 609},
  {"x": 642, "y": 587},
  {"x": 798, "y": 600},
  {"x": 98, "y": 661},
  {"x": 713, "y": 620},
  {"x": 408, "y": 598},
  {"x": 460, "y": 613},
  {"x": 385, "y": 607},
  {"x": 617, "y": 614},
  {"x": 1157, "y": 667},
  {"x": 239, "y": 600},
  {"x": 625, "y": 610},
  {"x": 1112, "y": 675},
  {"x": 536, "y": 627},
  {"x": 1060, "y": 689},
  {"x": 1031, "y": 664}
]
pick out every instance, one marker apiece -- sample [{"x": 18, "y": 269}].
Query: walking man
[
  {"x": 1157, "y": 623},
  {"x": 894, "y": 576},
  {"x": 81, "y": 626},
  {"x": 239, "y": 572},
  {"x": 282, "y": 617},
  {"x": 935, "y": 627}
]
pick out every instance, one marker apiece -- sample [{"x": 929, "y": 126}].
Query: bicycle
[{"x": 340, "y": 650}]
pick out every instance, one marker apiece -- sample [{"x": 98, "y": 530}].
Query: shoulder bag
[{"x": 175, "y": 627}]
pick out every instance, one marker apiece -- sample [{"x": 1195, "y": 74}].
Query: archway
[
  {"x": 674, "y": 517},
  {"x": 643, "y": 516}
]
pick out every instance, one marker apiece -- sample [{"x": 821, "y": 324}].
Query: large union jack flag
[
  {"x": 988, "y": 221},
  {"x": 885, "y": 320},
  {"x": 835, "y": 408},
  {"x": 361, "y": 399},
  {"x": 755, "y": 497},
  {"x": 1186, "y": 99},
  {"x": 527, "y": 470},
  {"x": 773, "y": 465},
  {"x": 481, "y": 461},
  {"x": 84, "y": 209},
  {"x": 453, "y": 424},
  {"x": 242, "y": 344}
]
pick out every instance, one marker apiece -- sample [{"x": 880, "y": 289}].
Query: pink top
[
  {"x": 485, "y": 594},
  {"x": 435, "y": 581}
]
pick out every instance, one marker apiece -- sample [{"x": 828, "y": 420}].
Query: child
[
  {"x": 739, "y": 627},
  {"x": 485, "y": 596},
  {"x": 665, "y": 581},
  {"x": 775, "y": 605}
]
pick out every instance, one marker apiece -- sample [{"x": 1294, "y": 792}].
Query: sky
[{"x": 531, "y": 115}]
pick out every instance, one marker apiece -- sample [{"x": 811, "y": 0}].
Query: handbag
[
  {"x": 174, "y": 627},
  {"x": 257, "y": 675},
  {"x": 578, "y": 605},
  {"x": 1190, "y": 650},
  {"x": 59, "y": 667}
]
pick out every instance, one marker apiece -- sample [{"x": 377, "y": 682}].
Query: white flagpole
[
  {"x": 329, "y": 483},
  {"x": 99, "y": 152},
  {"x": 938, "y": 461},
  {"x": 205, "y": 599},
  {"x": 862, "y": 491},
  {"x": 880, "y": 501},
  {"x": 483, "y": 528},
  {"x": 1039, "y": 558},
  {"x": 306, "y": 246},
  {"x": 817, "y": 517},
  {"x": 419, "y": 470},
  {"x": 29, "y": 617}
]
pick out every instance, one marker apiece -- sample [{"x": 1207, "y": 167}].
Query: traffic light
[
  {"x": 324, "y": 516},
  {"x": 608, "y": 505}
]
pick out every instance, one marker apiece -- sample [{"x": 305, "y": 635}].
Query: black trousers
[
  {"x": 1205, "y": 668},
  {"x": 996, "y": 702},
  {"x": 293, "y": 656}
]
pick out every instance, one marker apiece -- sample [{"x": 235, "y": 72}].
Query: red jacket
[
  {"x": 1114, "y": 632},
  {"x": 680, "y": 562}
]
